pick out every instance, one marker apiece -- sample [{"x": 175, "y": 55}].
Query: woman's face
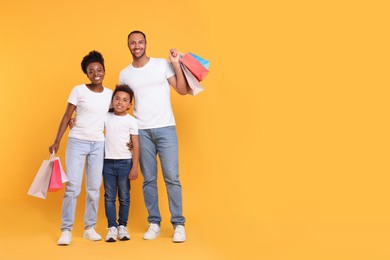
[{"x": 95, "y": 73}]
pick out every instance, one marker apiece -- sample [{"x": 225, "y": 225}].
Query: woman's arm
[{"x": 62, "y": 127}]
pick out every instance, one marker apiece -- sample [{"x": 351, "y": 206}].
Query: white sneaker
[
  {"x": 112, "y": 234},
  {"x": 153, "y": 232},
  {"x": 91, "y": 234},
  {"x": 179, "y": 235},
  {"x": 65, "y": 238},
  {"x": 123, "y": 234}
]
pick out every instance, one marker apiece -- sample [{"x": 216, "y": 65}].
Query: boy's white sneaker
[
  {"x": 112, "y": 234},
  {"x": 153, "y": 232},
  {"x": 91, "y": 234},
  {"x": 123, "y": 233},
  {"x": 65, "y": 238},
  {"x": 179, "y": 234}
]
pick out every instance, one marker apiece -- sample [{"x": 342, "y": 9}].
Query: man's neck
[{"x": 139, "y": 63}]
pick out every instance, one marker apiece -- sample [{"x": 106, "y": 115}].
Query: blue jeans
[
  {"x": 116, "y": 180},
  {"x": 161, "y": 141},
  {"x": 78, "y": 153}
]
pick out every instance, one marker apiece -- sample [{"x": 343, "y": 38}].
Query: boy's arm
[{"x": 135, "y": 157}]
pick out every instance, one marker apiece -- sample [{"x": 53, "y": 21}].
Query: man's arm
[{"x": 178, "y": 82}]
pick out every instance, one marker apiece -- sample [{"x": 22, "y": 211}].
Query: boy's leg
[
  {"x": 123, "y": 169},
  {"x": 110, "y": 190}
]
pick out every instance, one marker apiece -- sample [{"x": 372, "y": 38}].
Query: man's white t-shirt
[
  {"x": 118, "y": 131},
  {"x": 91, "y": 110},
  {"x": 152, "y": 107}
]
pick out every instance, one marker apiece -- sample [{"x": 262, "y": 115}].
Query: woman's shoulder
[{"x": 108, "y": 90}]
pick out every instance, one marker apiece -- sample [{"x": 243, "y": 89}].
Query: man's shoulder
[{"x": 126, "y": 68}]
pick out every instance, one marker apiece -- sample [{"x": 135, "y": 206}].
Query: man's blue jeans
[
  {"x": 78, "y": 153},
  {"x": 161, "y": 141},
  {"x": 116, "y": 181}
]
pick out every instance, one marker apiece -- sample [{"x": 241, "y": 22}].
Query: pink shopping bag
[{"x": 58, "y": 176}]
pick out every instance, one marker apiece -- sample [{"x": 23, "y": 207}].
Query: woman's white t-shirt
[{"x": 91, "y": 110}]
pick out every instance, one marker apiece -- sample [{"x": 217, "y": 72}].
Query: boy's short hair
[
  {"x": 124, "y": 88},
  {"x": 93, "y": 56}
]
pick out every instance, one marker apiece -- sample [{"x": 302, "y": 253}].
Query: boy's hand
[
  {"x": 133, "y": 175},
  {"x": 72, "y": 123}
]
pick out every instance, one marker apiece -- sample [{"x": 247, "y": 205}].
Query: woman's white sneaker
[
  {"x": 91, "y": 234},
  {"x": 65, "y": 238}
]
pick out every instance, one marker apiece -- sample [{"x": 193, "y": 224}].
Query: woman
[{"x": 90, "y": 102}]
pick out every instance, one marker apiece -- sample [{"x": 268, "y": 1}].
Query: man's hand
[{"x": 174, "y": 56}]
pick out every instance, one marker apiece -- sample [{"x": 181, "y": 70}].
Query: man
[{"x": 150, "y": 79}]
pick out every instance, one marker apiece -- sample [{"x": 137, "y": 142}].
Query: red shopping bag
[
  {"x": 193, "y": 83},
  {"x": 193, "y": 64}
]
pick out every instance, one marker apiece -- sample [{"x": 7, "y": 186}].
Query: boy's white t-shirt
[
  {"x": 91, "y": 110},
  {"x": 152, "y": 107},
  {"x": 118, "y": 131}
]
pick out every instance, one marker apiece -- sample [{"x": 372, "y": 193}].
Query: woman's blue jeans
[
  {"x": 80, "y": 153},
  {"x": 161, "y": 141}
]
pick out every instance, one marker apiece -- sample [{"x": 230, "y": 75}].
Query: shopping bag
[
  {"x": 41, "y": 181},
  {"x": 196, "y": 68},
  {"x": 202, "y": 61},
  {"x": 63, "y": 174},
  {"x": 193, "y": 83},
  {"x": 58, "y": 176}
]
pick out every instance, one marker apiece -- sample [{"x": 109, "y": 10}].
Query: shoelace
[
  {"x": 122, "y": 228},
  {"x": 112, "y": 230}
]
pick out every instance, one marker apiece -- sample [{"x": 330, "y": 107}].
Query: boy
[{"x": 120, "y": 165}]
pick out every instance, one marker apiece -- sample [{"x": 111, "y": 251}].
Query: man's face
[{"x": 137, "y": 45}]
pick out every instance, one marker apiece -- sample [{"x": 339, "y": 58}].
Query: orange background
[{"x": 283, "y": 156}]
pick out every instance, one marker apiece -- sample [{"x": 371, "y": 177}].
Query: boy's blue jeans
[
  {"x": 161, "y": 141},
  {"x": 116, "y": 181},
  {"x": 78, "y": 153}
]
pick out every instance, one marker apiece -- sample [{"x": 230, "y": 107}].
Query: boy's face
[
  {"x": 95, "y": 73},
  {"x": 121, "y": 102}
]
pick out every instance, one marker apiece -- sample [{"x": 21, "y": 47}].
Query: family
[{"x": 128, "y": 141}]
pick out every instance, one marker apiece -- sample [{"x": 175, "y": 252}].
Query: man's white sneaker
[
  {"x": 112, "y": 234},
  {"x": 179, "y": 235},
  {"x": 91, "y": 234},
  {"x": 123, "y": 234},
  {"x": 65, "y": 238},
  {"x": 153, "y": 232}
]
